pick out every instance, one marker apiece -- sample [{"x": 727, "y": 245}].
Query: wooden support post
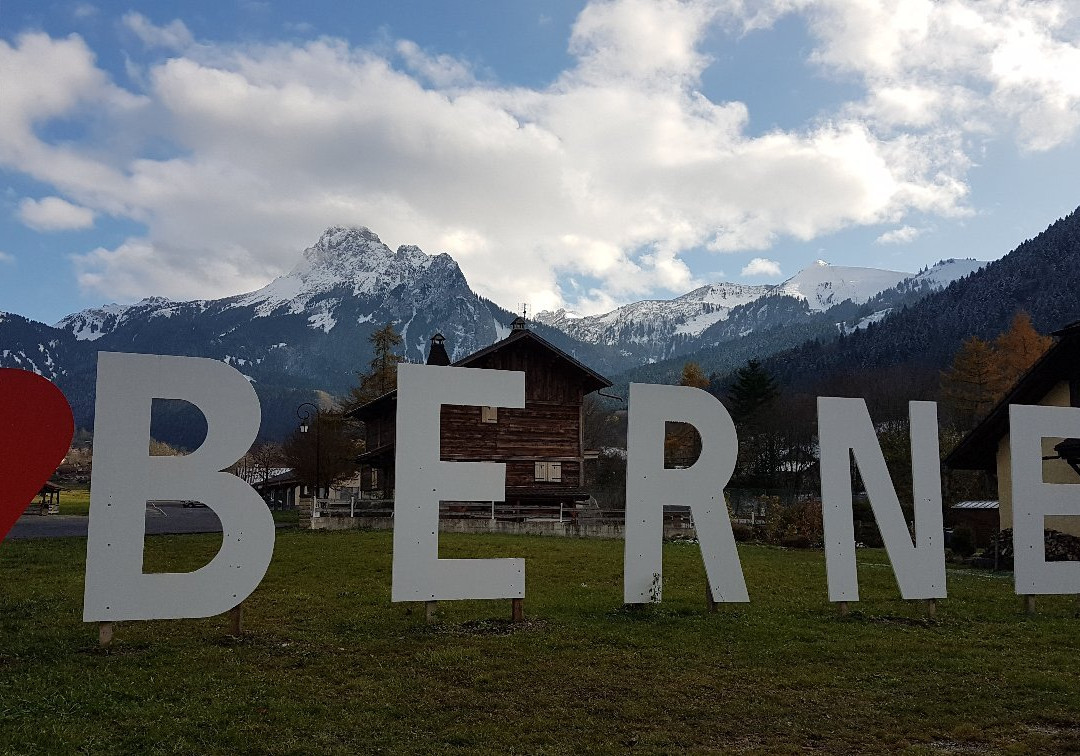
[
  {"x": 429, "y": 611},
  {"x": 236, "y": 619},
  {"x": 105, "y": 634},
  {"x": 1029, "y": 604},
  {"x": 931, "y": 608},
  {"x": 843, "y": 608},
  {"x": 710, "y": 602},
  {"x": 517, "y": 610}
]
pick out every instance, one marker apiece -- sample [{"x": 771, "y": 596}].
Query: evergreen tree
[
  {"x": 751, "y": 398},
  {"x": 754, "y": 390}
]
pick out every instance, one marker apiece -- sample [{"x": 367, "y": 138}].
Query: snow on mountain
[
  {"x": 92, "y": 324},
  {"x": 651, "y": 326},
  {"x": 717, "y": 301},
  {"x": 823, "y": 285},
  {"x": 354, "y": 258},
  {"x": 657, "y": 329},
  {"x": 874, "y": 317},
  {"x": 943, "y": 273},
  {"x": 934, "y": 278}
]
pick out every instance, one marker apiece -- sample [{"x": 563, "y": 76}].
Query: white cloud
[
  {"x": 901, "y": 235},
  {"x": 172, "y": 36},
  {"x": 646, "y": 40},
  {"x": 54, "y": 214},
  {"x": 439, "y": 70},
  {"x": 607, "y": 176},
  {"x": 761, "y": 266},
  {"x": 6, "y": 259},
  {"x": 972, "y": 65}
]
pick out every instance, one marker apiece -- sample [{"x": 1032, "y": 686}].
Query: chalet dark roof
[
  {"x": 374, "y": 407},
  {"x": 287, "y": 477},
  {"x": 978, "y": 449},
  {"x": 591, "y": 379}
]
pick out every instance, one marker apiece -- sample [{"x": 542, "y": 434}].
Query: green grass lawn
[
  {"x": 75, "y": 501},
  {"x": 328, "y": 664}
]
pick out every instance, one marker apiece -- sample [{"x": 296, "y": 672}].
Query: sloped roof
[
  {"x": 374, "y": 407},
  {"x": 980, "y": 504},
  {"x": 978, "y": 449},
  {"x": 285, "y": 475},
  {"x": 593, "y": 380}
]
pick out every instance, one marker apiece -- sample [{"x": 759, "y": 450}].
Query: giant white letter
[
  {"x": 649, "y": 486},
  {"x": 126, "y": 477},
  {"x": 1033, "y": 500},
  {"x": 423, "y": 481},
  {"x": 844, "y": 426}
]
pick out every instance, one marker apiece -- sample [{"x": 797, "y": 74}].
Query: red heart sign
[{"x": 36, "y": 427}]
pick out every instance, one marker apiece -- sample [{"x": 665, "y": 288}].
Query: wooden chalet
[
  {"x": 1054, "y": 380},
  {"x": 541, "y": 445}
]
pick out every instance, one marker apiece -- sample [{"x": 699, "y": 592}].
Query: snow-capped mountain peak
[
  {"x": 941, "y": 274},
  {"x": 655, "y": 327},
  {"x": 823, "y": 285},
  {"x": 350, "y": 258}
]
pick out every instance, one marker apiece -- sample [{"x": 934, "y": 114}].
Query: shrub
[
  {"x": 742, "y": 532},
  {"x": 963, "y": 541},
  {"x": 796, "y": 525}
]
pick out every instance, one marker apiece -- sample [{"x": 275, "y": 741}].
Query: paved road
[{"x": 164, "y": 518}]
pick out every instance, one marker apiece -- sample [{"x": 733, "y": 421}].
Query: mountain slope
[
  {"x": 824, "y": 286},
  {"x": 779, "y": 321},
  {"x": 307, "y": 330},
  {"x": 655, "y": 329},
  {"x": 1041, "y": 276}
]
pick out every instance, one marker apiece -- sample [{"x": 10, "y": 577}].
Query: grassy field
[
  {"x": 327, "y": 664},
  {"x": 75, "y": 501}
]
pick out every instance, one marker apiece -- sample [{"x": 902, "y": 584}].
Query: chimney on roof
[
  {"x": 519, "y": 324},
  {"x": 437, "y": 353}
]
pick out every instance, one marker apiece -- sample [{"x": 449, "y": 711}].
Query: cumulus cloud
[
  {"x": 901, "y": 235},
  {"x": 607, "y": 176},
  {"x": 439, "y": 70},
  {"x": 975, "y": 66},
  {"x": 172, "y": 36},
  {"x": 54, "y": 214},
  {"x": 761, "y": 266}
]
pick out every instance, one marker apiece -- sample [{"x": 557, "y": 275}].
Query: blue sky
[{"x": 565, "y": 153}]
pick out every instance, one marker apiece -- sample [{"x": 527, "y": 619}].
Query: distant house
[
  {"x": 541, "y": 445},
  {"x": 280, "y": 490},
  {"x": 1053, "y": 381}
]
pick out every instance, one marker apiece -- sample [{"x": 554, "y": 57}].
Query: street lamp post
[{"x": 304, "y": 413}]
